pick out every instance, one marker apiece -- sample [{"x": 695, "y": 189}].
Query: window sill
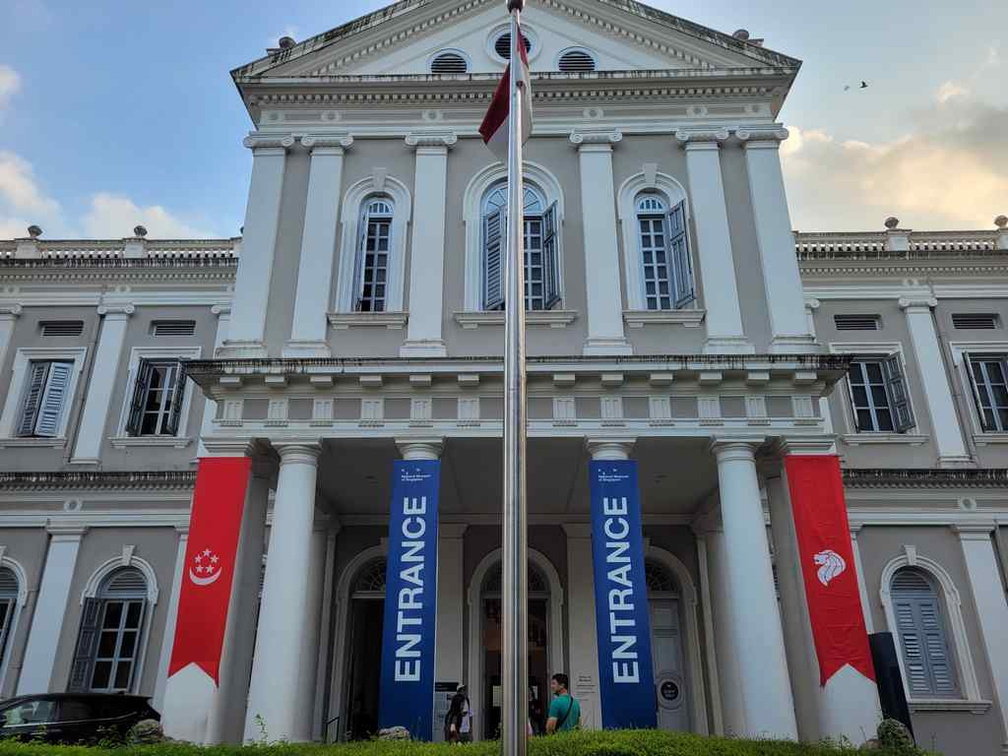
[
  {"x": 33, "y": 443},
  {"x": 551, "y": 318},
  {"x": 938, "y": 704},
  {"x": 641, "y": 318},
  {"x": 863, "y": 439},
  {"x": 162, "y": 442},
  {"x": 985, "y": 439},
  {"x": 393, "y": 321}
]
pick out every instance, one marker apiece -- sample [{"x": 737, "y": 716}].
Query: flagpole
[{"x": 514, "y": 599}]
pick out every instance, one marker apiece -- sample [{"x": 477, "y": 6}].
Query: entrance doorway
[
  {"x": 364, "y": 637},
  {"x": 671, "y": 694},
  {"x": 538, "y": 650}
]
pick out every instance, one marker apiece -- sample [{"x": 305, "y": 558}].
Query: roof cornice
[
  {"x": 926, "y": 478},
  {"x": 77, "y": 480}
]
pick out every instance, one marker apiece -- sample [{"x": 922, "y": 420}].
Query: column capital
[
  {"x": 116, "y": 311},
  {"x": 436, "y": 139},
  {"x": 231, "y": 447},
  {"x": 917, "y": 304},
  {"x": 66, "y": 531},
  {"x": 701, "y": 139},
  {"x": 762, "y": 137},
  {"x": 269, "y": 143},
  {"x": 979, "y": 531},
  {"x": 301, "y": 452},
  {"x": 328, "y": 144},
  {"x": 420, "y": 448},
  {"x": 222, "y": 310},
  {"x": 588, "y": 140},
  {"x": 610, "y": 449},
  {"x": 731, "y": 449},
  {"x": 9, "y": 312},
  {"x": 812, "y": 304},
  {"x": 804, "y": 446}
]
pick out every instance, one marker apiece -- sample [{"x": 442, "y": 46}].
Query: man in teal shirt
[{"x": 565, "y": 711}]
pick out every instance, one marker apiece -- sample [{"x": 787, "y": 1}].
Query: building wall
[{"x": 27, "y": 547}]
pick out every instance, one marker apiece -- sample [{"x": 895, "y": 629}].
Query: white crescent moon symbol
[{"x": 204, "y": 580}]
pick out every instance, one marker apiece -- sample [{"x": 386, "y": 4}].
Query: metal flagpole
[{"x": 514, "y": 664}]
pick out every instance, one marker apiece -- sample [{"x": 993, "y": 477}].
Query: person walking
[
  {"x": 458, "y": 720},
  {"x": 564, "y": 711}
]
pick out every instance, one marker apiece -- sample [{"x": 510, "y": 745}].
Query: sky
[{"x": 117, "y": 112}]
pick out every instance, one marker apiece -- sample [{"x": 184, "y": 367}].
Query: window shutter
[
  {"x": 899, "y": 400},
  {"x": 178, "y": 391},
  {"x": 357, "y": 289},
  {"x": 140, "y": 389},
  {"x": 551, "y": 268},
  {"x": 915, "y": 663},
  {"x": 680, "y": 257},
  {"x": 53, "y": 398},
  {"x": 36, "y": 384},
  {"x": 87, "y": 644},
  {"x": 973, "y": 376},
  {"x": 493, "y": 261},
  {"x": 942, "y": 677},
  {"x": 854, "y": 367}
]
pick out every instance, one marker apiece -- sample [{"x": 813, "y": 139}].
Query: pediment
[{"x": 622, "y": 35}]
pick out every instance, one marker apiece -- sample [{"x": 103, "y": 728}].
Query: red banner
[
  {"x": 214, "y": 527},
  {"x": 827, "y": 561}
]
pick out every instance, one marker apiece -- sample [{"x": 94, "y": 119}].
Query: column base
[
  {"x": 618, "y": 347},
  {"x": 241, "y": 350},
  {"x": 423, "y": 348},
  {"x": 794, "y": 345},
  {"x": 728, "y": 345},
  {"x": 307, "y": 349}
]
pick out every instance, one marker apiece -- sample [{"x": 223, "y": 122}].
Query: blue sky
[{"x": 124, "y": 112}]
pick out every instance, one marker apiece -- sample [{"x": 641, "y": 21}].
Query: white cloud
[
  {"x": 19, "y": 189},
  {"x": 948, "y": 90},
  {"x": 10, "y": 84},
  {"x": 113, "y": 216}
]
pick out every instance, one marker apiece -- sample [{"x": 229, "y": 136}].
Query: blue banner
[
  {"x": 626, "y": 677},
  {"x": 407, "y": 657}
]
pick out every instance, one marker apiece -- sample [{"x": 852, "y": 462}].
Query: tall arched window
[
  {"x": 928, "y": 661},
  {"x": 109, "y": 642},
  {"x": 371, "y": 263},
  {"x": 666, "y": 273},
  {"x": 542, "y": 274},
  {"x": 8, "y": 605}
]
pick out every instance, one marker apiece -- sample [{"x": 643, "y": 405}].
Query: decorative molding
[
  {"x": 441, "y": 139},
  {"x": 925, "y": 478},
  {"x": 912, "y": 305},
  {"x": 756, "y": 136},
  {"x": 258, "y": 141},
  {"x": 551, "y": 318},
  {"x": 685, "y": 318},
  {"x": 941, "y": 704},
  {"x": 60, "y": 481},
  {"x": 393, "y": 321},
  {"x": 863, "y": 439},
  {"x": 590, "y": 137},
  {"x": 710, "y": 136},
  {"x": 124, "y": 310},
  {"x": 10, "y": 311},
  {"x": 337, "y": 142},
  {"x": 166, "y": 442}
]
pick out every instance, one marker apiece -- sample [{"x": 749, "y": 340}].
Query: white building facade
[{"x": 674, "y": 318}]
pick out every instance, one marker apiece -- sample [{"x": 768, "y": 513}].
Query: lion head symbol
[{"x": 830, "y": 565}]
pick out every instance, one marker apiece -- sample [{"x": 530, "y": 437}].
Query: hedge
[{"x": 613, "y": 743}]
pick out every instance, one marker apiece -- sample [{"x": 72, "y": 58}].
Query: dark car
[{"x": 72, "y": 717}]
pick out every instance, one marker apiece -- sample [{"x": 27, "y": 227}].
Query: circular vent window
[
  {"x": 449, "y": 63},
  {"x": 503, "y": 45},
  {"x": 577, "y": 61}
]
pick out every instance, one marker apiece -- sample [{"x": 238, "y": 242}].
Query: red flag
[
  {"x": 827, "y": 562},
  {"x": 214, "y": 527},
  {"x": 494, "y": 128}
]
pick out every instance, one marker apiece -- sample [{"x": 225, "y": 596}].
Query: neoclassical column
[
  {"x": 8, "y": 316},
  {"x": 775, "y": 237},
  {"x": 754, "y": 625},
  {"x": 168, "y": 638},
  {"x": 583, "y": 646},
  {"x": 273, "y": 700},
  {"x": 312, "y": 633},
  {"x": 606, "y": 335},
  {"x": 992, "y": 609},
  {"x": 50, "y": 607},
  {"x": 255, "y": 265},
  {"x": 313, "y": 296},
  {"x": 940, "y": 403},
  {"x": 105, "y": 371},
  {"x": 427, "y": 251},
  {"x": 725, "y": 333}
]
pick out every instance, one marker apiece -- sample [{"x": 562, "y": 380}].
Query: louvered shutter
[
  {"x": 178, "y": 391},
  {"x": 682, "y": 270},
  {"x": 53, "y": 398},
  {"x": 974, "y": 375},
  {"x": 551, "y": 266},
  {"x": 140, "y": 390},
  {"x": 357, "y": 287},
  {"x": 87, "y": 644},
  {"x": 36, "y": 385},
  {"x": 899, "y": 400},
  {"x": 926, "y": 656},
  {"x": 936, "y": 648},
  {"x": 493, "y": 261}
]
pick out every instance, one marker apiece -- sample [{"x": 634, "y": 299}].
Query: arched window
[
  {"x": 371, "y": 579},
  {"x": 110, "y": 638},
  {"x": 449, "y": 63},
  {"x": 371, "y": 264},
  {"x": 576, "y": 61},
  {"x": 8, "y": 606},
  {"x": 542, "y": 275},
  {"x": 928, "y": 661},
  {"x": 666, "y": 273}
]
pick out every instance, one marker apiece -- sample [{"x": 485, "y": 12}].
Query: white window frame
[
  {"x": 526, "y": 30},
  {"x": 633, "y": 273},
  {"x": 158, "y": 354},
  {"x": 959, "y": 351},
  {"x": 472, "y": 216},
  {"x": 350, "y": 218},
  {"x": 15, "y": 395},
  {"x": 93, "y": 586},
  {"x": 7, "y": 645},
  {"x": 880, "y": 349},
  {"x": 948, "y": 594},
  {"x": 366, "y": 218}
]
